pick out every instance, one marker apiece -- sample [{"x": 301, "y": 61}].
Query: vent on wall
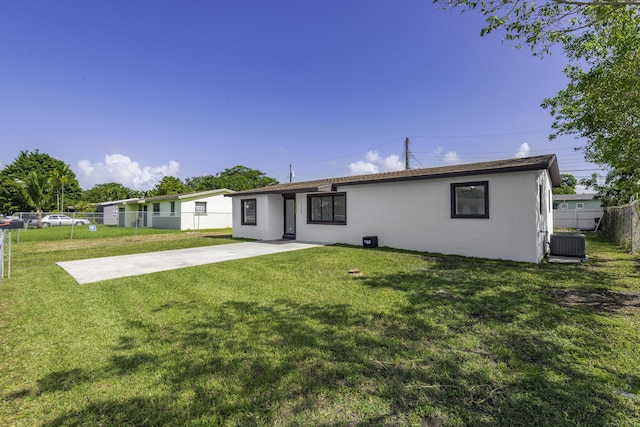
[{"x": 568, "y": 245}]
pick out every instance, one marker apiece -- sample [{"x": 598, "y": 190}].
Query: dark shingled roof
[{"x": 548, "y": 162}]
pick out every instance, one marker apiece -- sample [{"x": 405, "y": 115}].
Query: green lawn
[{"x": 295, "y": 339}]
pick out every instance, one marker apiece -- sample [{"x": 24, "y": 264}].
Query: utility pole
[
  {"x": 290, "y": 173},
  {"x": 406, "y": 153}
]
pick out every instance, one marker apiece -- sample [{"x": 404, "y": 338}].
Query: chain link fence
[
  {"x": 91, "y": 217},
  {"x": 622, "y": 226},
  {"x": 136, "y": 219}
]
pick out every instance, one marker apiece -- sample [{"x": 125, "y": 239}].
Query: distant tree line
[{"x": 37, "y": 182}]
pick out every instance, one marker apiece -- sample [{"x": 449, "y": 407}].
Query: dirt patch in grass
[
  {"x": 600, "y": 300},
  {"x": 118, "y": 241}
]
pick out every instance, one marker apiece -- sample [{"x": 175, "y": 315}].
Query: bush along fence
[{"x": 622, "y": 226}]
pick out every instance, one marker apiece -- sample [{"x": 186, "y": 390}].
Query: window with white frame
[
  {"x": 579, "y": 205},
  {"x": 156, "y": 209},
  {"x": 173, "y": 209},
  {"x": 201, "y": 208},
  {"x": 564, "y": 206}
]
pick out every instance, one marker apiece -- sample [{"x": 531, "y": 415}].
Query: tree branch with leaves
[{"x": 37, "y": 191}]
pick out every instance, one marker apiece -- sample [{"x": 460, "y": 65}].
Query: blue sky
[{"x": 130, "y": 91}]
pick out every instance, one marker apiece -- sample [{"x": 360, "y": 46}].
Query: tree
[
  {"x": 602, "y": 103},
  {"x": 84, "y": 206},
  {"x": 568, "y": 185},
  {"x": 619, "y": 187},
  {"x": 12, "y": 198},
  {"x": 60, "y": 177},
  {"x": 236, "y": 178},
  {"x": 169, "y": 185},
  {"x": 202, "y": 183},
  {"x": 37, "y": 191},
  {"x": 109, "y": 192},
  {"x": 540, "y": 25},
  {"x": 601, "y": 39},
  {"x": 242, "y": 178}
]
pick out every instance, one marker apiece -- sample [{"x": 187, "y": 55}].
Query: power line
[{"x": 482, "y": 135}]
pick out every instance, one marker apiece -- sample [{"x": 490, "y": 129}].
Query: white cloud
[
  {"x": 375, "y": 163},
  {"x": 361, "y": 168},
  {"x": 451, "y": 157},
  {"x": 372, "y": 157},
  {"x": 121, "y": 169},
  {"x": 392, "y": 163},
  {"x": 524, "y": 151}
]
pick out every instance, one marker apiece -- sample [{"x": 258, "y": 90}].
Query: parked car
[
  {"x": 53, "y": 220},
  {"x": 11, "y": 223}
]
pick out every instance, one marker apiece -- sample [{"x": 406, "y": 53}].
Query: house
[
  {"x": 579, "y": 211},
  {"x": 110, "y": 209},
  {"x": 189, "y": 211},
  {"x": 500, "y": 209}
]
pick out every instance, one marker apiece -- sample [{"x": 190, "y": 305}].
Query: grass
[{"x": 294, "y": 339}]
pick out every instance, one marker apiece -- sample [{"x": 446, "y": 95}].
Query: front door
[
  {"x": 122, "y": 218},
  {"x": 289, "y": 216}
]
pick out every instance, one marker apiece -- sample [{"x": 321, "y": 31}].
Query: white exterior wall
[
  {"x": 270, "y": 217},
  {"x": 416, "y": 215},
  {"x": 110, "y": 215},
  {"x": 544, "y": 212},
  {"x": 219, "y": 213}
]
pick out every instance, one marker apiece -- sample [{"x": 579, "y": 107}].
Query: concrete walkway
[{"x": 96, "y": 269}]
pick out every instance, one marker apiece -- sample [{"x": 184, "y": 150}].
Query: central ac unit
[{"x": 568, "y": 245}]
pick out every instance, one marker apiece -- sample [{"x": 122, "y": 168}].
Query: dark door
[
  {"x": 145, "y": 211},
  {"x": 289, "y": 216},
  {"x": 121, "y": 218}
]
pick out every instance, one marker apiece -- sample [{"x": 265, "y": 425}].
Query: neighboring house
[
  {"x": 579, "y": 211},
  {"x": 500, "y": 209},
  {"x": 190, "y": 211},
  {"x": 109, "y": 210}
]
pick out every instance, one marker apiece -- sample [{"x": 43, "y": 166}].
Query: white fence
[{"x": 580, "y": 219}]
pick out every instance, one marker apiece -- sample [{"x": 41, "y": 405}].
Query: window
[
  {"x": 579, "y": 205},
  {"x": 173, "y": 208},
  {"x": 201, "y": 208},
  {"x": 327, "y": 208},
  {"x": 540, "y": 198},
  {"x": 564, "y": 205},
  {"x": 470, "y": 200},
  {"x": 249, "y": 212},
  {"x": 156, "y": 209}
]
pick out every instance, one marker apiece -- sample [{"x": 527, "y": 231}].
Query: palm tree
[
  {"x": 60, "y": 177},
  {"x": 36, "y": 190}
]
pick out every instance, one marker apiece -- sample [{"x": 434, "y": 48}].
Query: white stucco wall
[
  {"x": 544, "y": 212},
  {"x": 219, "y": 213},
  {"x": 110, "y": 215},
  {"x": 270, "y": 217},
  {"x": 416, "y": 215}
]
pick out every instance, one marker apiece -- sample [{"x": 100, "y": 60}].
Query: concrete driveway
[{"x": 96, "y": 269}]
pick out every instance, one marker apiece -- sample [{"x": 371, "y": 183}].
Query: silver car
[{"x": 53, "y": 220}]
